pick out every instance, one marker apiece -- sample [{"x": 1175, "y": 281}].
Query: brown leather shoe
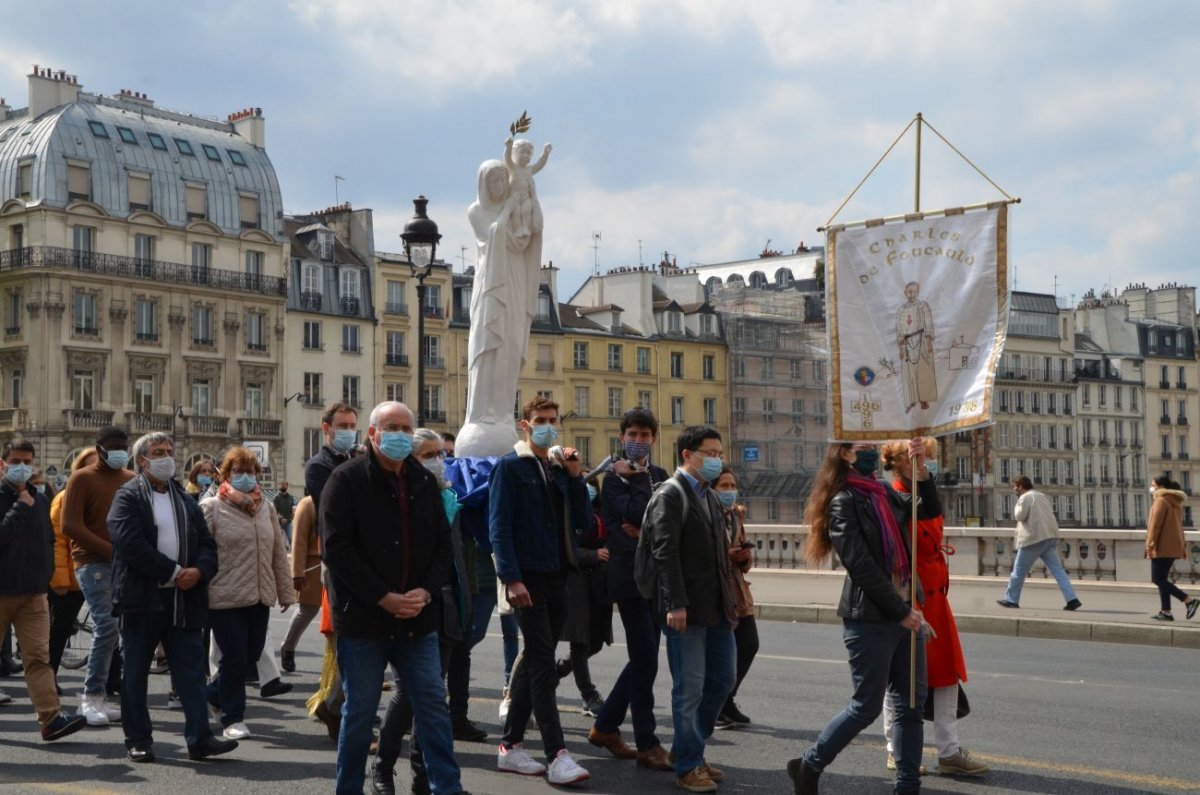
[
  {"x": 611, "y": 742},
  {"x": 713, "y": 773},
  {"x": 654, "y": 759},
  {"x": 696, "y": 781}
]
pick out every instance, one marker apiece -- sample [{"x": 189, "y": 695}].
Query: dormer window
[
  {"x": 543, "y": 310},
  {"x": 325, "y": 244},
  {"x": 706, "y": 324},
  {"x": 674, "y": 322},
  {"x": 157, "y": 141},
  {"x": 616, "y": 319},
  {"x": 98, "y": 129}
]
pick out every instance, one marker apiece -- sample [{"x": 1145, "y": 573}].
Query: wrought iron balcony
[
  {"x": 12, "y": 419},
  {"x": 435, "y": 362},
  {"x": 199, "y": 425},
  {"x": 259, "y": 428},
  {"x": 351, "y": 306},
  {"x": 391, "y": 308},
  {"x": 145, "y": 422},
  {"x": 434, "y": 312},
  {"x": 435, "y": 415},
  {"x": 310, "y": 301},
  {"x": 397, "y": 360},
  {"x": 86, "y": 419},
  {"x": 59, "y": 258}
]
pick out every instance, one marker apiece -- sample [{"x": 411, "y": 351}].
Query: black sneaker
[
  {"x": 1074, "y": 604},
  {"x": 276, "y": 687},
  {"x": 383, "y": 779},
  {"x": 732, "y": 712},
  {"x": 210, "y": 746},
  {"x": 1191, "y": 607},
  {"x": 1162, "y": 615},
  {"x": 141, "y": 754},
  {"x": 1006, "y": 603},
  {"x": 287, "y": 661},
  {"x": 62, "y": 725},
  {"x": 563, "y": 668},
  {"x": 724, "y": 722},
  {"x": 467, "y": 731}
]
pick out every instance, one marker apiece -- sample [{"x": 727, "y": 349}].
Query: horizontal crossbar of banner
[{"x": 906, "y": 217}]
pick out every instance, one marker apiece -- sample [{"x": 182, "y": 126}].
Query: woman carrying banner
[
  {"x": 943, "y": 652},
  {"x": 863, "y": 520}
]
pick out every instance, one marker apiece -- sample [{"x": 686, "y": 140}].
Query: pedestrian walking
[
  {"x": 1165, "y": 544},
  {"x": 695, "y": 601},
  {"x": 387, "y": 547},
  {"x": 26, "y": 565},
  {"x": 285, "y": 508},
  {"x": 946, "y": 667},
  {"x": 863, "y": 520},
  {"x": 65, "y": 597},
  {"x": 254, "y": 577},
  {"x": 306, "y": 580},
  {"x": 90, "y": 494},
  {"x": 741, "y": 558},
  {"x": 535, "y": 501},
  {"x": 1037, "y": 539},
  {"x": 624, "y": 494},
  {"x": 163, "y": 560}
]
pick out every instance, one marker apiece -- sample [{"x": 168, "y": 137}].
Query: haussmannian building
[{"x": 142, "y": 263}]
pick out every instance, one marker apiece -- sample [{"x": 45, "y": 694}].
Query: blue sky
[{"x": 699, "y": 127}]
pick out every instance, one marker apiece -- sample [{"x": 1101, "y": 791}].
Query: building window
[
  {"x": 254, "y": 400},
  {"x": 312, "y": 389},
  {"x": 98, "y": 129},
  {"x": 16, "y": 383},
  {"x": 584, "y": 445},
  {"x": 24, "y": 182},
  {"x": 145, "y": 328},
  {"x": 583, "y": 401},
  {"x": 202, "y": 397},
  {"x": 394, "y": 391},
  {"x": 79, "y": 182},
  {"x": 202, "y": 325},
  {"x": 614, "y": 358},
  {"x": 184, "y": 148},
  {"x": 772, "y": 511},
  {"x": 707, "y": 326},
  {"x": 433, "y": 300},
  {"x": 127, "y": 135},
  {"x": 139, "y": 191},
  {"x": 396, "y": 305},
  {"x": 312, "y": 335},
  {"x": 248, "y": 211},
  {"x": 201, "y": 261},
  {"x": 710, "y": 411},
  {"x": 433, "y": 403},
  {"x": 676, "y": 410},
  {"x": 616, "y": 403},
  {"x": 710, "y": 367},
  {"x": 143, "y": 252},
  {"x": 313, "y": 440},
  {"x": 157, "y": 141},
  {"x": 643, "y": 361},
  {"x": 256, "y": 339},
  {"x": 195, "y": 200},
  {"x": 676, "y": 365},
  {"x": 83, "y": 389},
  {"x": 674, "y": 322},
  {"x": 350, "y": 391},
  {"x": 236, "y": 157},
  {"x": 395, "y": 348},
  {"x": 644, "y": 400},
  {"x": 543, "y": 308},
  {"x": 351, "y": 286},
  {"x": 211, "y": 152},
  {"x": 768, "y": 368},
  {"x": 254, "y": 269},
  {"x": 739, "y": 367},
  {"x": 143, "y": 395},
  {"x": 350, "y": 339},
  {"x": 431, "y": 349},
  {"x": 579, "y": 357},
  {"x": 85, "y": 314}
]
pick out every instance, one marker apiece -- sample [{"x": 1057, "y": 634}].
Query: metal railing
[
  {"x": 89, "y": 419},
  {"x": 260, "y": 428},
  {"x": 208, "y": 426},
  {"x": 397, "y": 360},
  {"x": 310, "y": 301},
  {"x": 395, "y": 309},
  {"x": 145, "y": 422}
]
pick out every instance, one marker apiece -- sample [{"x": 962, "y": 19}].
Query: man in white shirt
[{"x": 1037, "y": 538}]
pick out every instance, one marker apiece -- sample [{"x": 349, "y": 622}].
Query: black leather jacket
[{"x": 868, "y": 594}]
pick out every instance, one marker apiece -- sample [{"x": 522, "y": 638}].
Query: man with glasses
[{"x": 695, "y": 600}]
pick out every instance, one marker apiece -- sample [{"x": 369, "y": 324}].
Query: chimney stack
[
  {"x": 135, "y": 98},
  {"x": 49, "y": 89},
  {"x": 250, "y": 125}
]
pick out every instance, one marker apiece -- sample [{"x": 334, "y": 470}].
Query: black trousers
[
  {"x": 63, "y": 610},
  {"x": 534, "y": 685},
  {"x": 746, "y": 638},
  {"x": 1160, "y": 575}
]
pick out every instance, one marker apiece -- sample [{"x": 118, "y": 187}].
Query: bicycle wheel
[{"x": 80, "y": 642}]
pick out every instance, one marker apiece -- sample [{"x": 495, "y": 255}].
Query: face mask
[
  {"x": 710, "y": 468},
  {"x": 396, "y": 445},
  {"x": 1153, "y": 489},
  {"x": 343, "y": 440},
  {"x": 865, "y": 462},
  {"x": 41, "y": 488},
  {"x": 116, "y": 459},
  {"x": 436, "y": 466},
  {"x": 592, "y": 493},
  {"x": 161, "y": 468},
  {"x": 727, "y": 498},
  {"x": 244, "y": 482},
  {"x": 17, "y": 474},
  {"x": 636, "y": 451},
  {"x": 204, "y": 480},
  {"x": 932, "y": 466},
  {"x": 543, "y": 435}
]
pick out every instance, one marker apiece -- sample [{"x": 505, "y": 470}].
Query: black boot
[
  {"x": 804, "y": 778},
  {"x": 287, "y": 661},
  {"x": 383, "y": 779}
]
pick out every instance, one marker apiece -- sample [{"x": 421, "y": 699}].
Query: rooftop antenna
[
  {"x": 462, "y": 258},
  {"x": 596, "y": 252},
  {"x": 337, "y": 199},
  {"x": 640, "y": 262}
]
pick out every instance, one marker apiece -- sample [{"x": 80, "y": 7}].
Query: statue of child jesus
[{"x": 526, "y": 212}]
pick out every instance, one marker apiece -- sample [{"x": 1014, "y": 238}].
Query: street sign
[
  {"x": 750, "y": 454},
  {"x": 262, "y": 452}
]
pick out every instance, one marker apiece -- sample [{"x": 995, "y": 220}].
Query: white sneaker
[
  {"x": 173, "y": 701},
  {"x": 517, "y": 760},
  {"x": 92, "y": 709},
  {"x": 565, "y": 770},
  {"x": 236, "y": 731},
  {"x": 5, "y": 698},
  {"x": 113, "y": 712},
  {"x": 505, "y": 703}
]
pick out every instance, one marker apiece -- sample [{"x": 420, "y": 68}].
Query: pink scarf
[
  {"x": 895, "y": 555},
  {"x": 248, "y": 502}
]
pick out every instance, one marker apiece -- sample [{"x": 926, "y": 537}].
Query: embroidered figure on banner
[
  {"x": 914, "y": 336},
  {"x": 963, "y": 355},
  {"x": 866, "y": 407}
]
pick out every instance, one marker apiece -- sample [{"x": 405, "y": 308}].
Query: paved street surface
[{"x": 1050, "y": 716}]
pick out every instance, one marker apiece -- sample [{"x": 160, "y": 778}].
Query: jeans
[
  {"x": 141, "y": 633},
  {"x": 416, "y": 660},
  {"x": 1160, "y": 575},
  {"x": 702, "y": 667},
  {"x": 634, "y": 688},
  {"x": 95, "y": 580},
  {"x": 1028, "y": 555},
  {"x": 746, "y": 637},
  {"x": 63, "y": 610},
  {"x": 535, "y": 681},
  {"x": 398, "y": 719},
  {"x": 241, "y": 633},
  {"x": 879, "y": 663}
]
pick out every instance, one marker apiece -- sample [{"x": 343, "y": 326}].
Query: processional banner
[{"x": 917, "y": 317}]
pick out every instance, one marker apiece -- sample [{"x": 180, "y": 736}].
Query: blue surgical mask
[
  {"x": 710, "y": 468},
  {"x": 932, "y": 466},
  {"x": 41, "y": 488},
  {"x": 636, "y": 451},
  {"x": 727, "y": 498},
  {"x": 244, "y": 482},
  {"x": 204, "y": 480},
  {"x": 396, "y": 445},
  {"x": 543, "y": 435},
  {"x": 344, "y": 439},
  {"x": 116, "y": 459},
  {"x": 18, "y": 474},
  {"x": 592, "y": 492}
]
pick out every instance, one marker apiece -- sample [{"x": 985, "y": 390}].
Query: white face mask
[{"x": 436, "y": 466}]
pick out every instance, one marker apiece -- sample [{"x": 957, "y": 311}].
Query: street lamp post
[{"x": 420, "y": 237}]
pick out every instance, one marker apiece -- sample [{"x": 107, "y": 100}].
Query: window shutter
[
  {"x": 139, "y": 191},
  {"x": 196, "y": 201},
  {"x": 79, "y": 182},
  {"x": 25, "y": 179},
  {"x": 248, "y": 210}
]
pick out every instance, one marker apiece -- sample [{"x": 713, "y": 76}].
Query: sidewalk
[{"x": 1111, "y": 612}]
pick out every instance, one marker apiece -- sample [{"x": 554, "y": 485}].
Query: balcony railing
[
  {"x": 1181, "y": 384},
  {"x": 397, "y": 360},
  {"x": 435, "y": 362},
  {"x": 351, "y": 306},
  {"x": 395, "y": 309},
  {"x": 199, "y": 425},
  {"x": 259, "y": 428},
  {"x": 87, "y": 419},
  {"x": 1164, "y": 420},
  {"x": 310, "y": 301},
  {"x": 59, "y": 258},
  {"x": 257, "y": 347},
  {"x": 1181, "y": 420},
  {"x": 434, "y": 312},
  {"x": 545, "y": 367},
  {"x": 435, "y": 415},
  {"x": 12, "y": 419},
  {"x": 145, "y": 422},
  {"x": 12, "y": 331},
  {"x": 146, "y": 336}
]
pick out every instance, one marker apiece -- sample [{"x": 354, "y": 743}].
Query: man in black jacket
[
  {"x": 26, "y": 565},
  {"x": 695, "y": 600},
  {"x": 386, "y": 543},
  {"x": 163, "y": 559},
  {"x": 628, "y": 484}
]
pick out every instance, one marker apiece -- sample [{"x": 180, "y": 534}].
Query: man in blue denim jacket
[{"x": 535, "y": 500}]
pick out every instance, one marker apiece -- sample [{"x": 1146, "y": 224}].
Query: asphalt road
[{"x": 1049, "y": 716}]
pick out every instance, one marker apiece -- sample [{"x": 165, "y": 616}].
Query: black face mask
[{"x": 865, "y": 462}]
